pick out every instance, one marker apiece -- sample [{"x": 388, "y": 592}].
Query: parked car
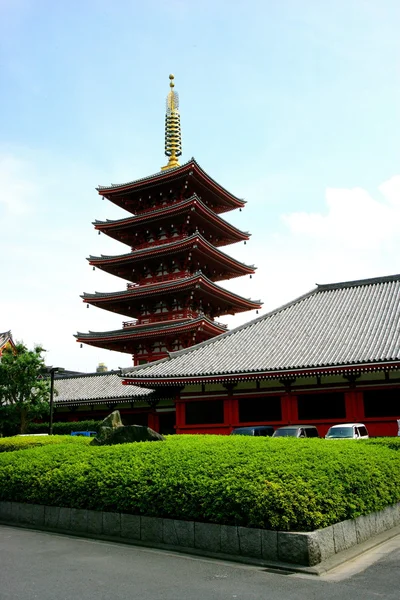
[
  {"x": 85, "y": 433},
  {"x": 349, "y": 431},
  {"x": 297, "y": 431},
  {"x": 398, "y": 427},
  {"x": 263, "y": 430}
]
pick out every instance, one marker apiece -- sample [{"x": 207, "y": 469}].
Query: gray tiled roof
[
  {"x": 333, "y": 325},
  {"x": 99, "y": 387}
]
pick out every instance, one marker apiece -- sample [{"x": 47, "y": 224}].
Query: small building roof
[
  {"x": 98, "y": 388},
  {"x": 5, "y": 339},
  {"x": 350, "y": 324}
]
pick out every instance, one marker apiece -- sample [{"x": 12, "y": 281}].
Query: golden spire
[{"x": 173, "y": 144}]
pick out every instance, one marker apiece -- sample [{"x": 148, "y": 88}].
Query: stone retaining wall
[{"x": 307, "y": 549}]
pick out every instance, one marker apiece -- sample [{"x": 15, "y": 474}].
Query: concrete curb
[{"x": 239, "y": 543}]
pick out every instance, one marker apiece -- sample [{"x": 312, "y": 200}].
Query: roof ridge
[
  {"x": 81, "y": 375},
  {"x": 357, "y": 282}
]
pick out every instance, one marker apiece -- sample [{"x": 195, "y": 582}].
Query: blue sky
[{"x": 293, "y": 105}]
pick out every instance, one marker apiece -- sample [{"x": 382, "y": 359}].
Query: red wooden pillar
[
  {"x": 290, "y": 413},
  {"x": 179, "y": 413},
  {"x": 231, "y": 407},
  {"x": 354, "y": 403},
  {"x": 153, "y": 421}
]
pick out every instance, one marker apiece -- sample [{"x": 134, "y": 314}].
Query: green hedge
[
  {"x": 27, "y": 442},
  {"x": 64, "y": 428},
  {"x": 282, "y": 484}
]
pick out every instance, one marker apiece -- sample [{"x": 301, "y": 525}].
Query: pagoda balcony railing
[
  {"x": 181, "y": 315},
  {"x": 158, "y": 279},
  {"x": 158, "y": 242}
]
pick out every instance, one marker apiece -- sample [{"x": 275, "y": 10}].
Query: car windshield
[
  {"x": 243, "y": 431},
  {"x": 285, "y": 433},
  {"x": 340, "y": 432}
]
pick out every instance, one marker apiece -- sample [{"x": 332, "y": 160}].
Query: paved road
[{"x": 47, "y": 566}]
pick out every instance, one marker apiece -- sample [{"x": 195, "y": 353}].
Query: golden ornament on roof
[{"x": 173, "y": 144}]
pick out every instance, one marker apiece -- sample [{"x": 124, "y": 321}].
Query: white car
[{"x": 347, "y": 431}]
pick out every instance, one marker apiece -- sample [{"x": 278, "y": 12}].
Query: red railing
[
  {"x": 181, "y": 315},
  {"x": 158, "y": 279},
  {"x": 162, "y": 317},
  {"x": 167, "y": 240}
]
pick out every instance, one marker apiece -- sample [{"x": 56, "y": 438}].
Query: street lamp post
[{"x": 52, "y": 371}]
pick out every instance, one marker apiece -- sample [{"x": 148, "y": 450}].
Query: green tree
[{"x": 24, "y": 393}]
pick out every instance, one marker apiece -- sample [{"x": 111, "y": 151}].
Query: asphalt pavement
[{"x": 49, "y": 566}]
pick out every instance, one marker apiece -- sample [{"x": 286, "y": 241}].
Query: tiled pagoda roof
[
  {"x": 194, "y": 241},
  {"x": 170, "y": 175},
  {"x": 334, "y": 328},
  {"x": 156, "y": 329},
  {"x": 197, "y": 280},
  {"x": 160, "y": 213}
]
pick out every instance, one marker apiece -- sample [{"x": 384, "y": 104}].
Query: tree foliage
[{"x": 24, "y": 392}]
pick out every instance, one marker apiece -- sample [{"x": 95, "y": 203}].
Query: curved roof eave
[
  {"x": 166, "y": 175},
  {"x": 161, "y": 249},
  {"x": 170, "y": 210},
  {"x": 145, "y": 291}
]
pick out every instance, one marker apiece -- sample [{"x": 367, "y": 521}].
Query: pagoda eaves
[
  {"x": 183, "y": 215},
  {"x": 132, "y": 339},
  {"x": 133, "y": 196},
  {"x": 225, "y": 267},
  {"x": 197, "y": 287}
]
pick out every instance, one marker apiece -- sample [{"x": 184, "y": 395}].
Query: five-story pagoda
[{"x": 174, "y": 233}]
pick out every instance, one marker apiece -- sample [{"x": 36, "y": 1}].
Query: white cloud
[{"x": 354, "y": 220}]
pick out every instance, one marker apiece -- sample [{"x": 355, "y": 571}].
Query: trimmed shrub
[
  {"x": 64, "y": 428},
  {"x": 271, "y": 483},
  {"x": 27, "y": 442}
]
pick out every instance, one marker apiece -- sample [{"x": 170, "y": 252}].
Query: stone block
[
  {"x": 37, "y": 514},
  {"x": 299, "y": 548},
  {"x": 250, "y": 542},
  {"x": 269, "y": 544},
  {"x": 130, "y": 526},
  {"x": 51, "y": 514},
  {"x": 24, "y": 513},
  {"x": 207, "y": 536},
  {"x": 178, "y": 533},
  {"x": 365, "y": 527},
  {"x": 64, "y": 518},
  {"x": 230, "y": 539},
  {"x": 79, "y": 521},
  {"x": 94, "y": 521},
  {"x": 15, "y": 511},
  {"x": 344, "y": 535},
  {"x": 325, "y": 542},
  {"x": 111, "y": 524},
  {"x": 151, "y": 529},
  {"x": 387, "y": 518},
  {"x": 5, "y": 511}
]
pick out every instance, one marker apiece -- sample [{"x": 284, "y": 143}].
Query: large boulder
[{"x": 112, "y": 431}]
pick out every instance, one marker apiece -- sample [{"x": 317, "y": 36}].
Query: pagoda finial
[{"x": 173, "y": 144}]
